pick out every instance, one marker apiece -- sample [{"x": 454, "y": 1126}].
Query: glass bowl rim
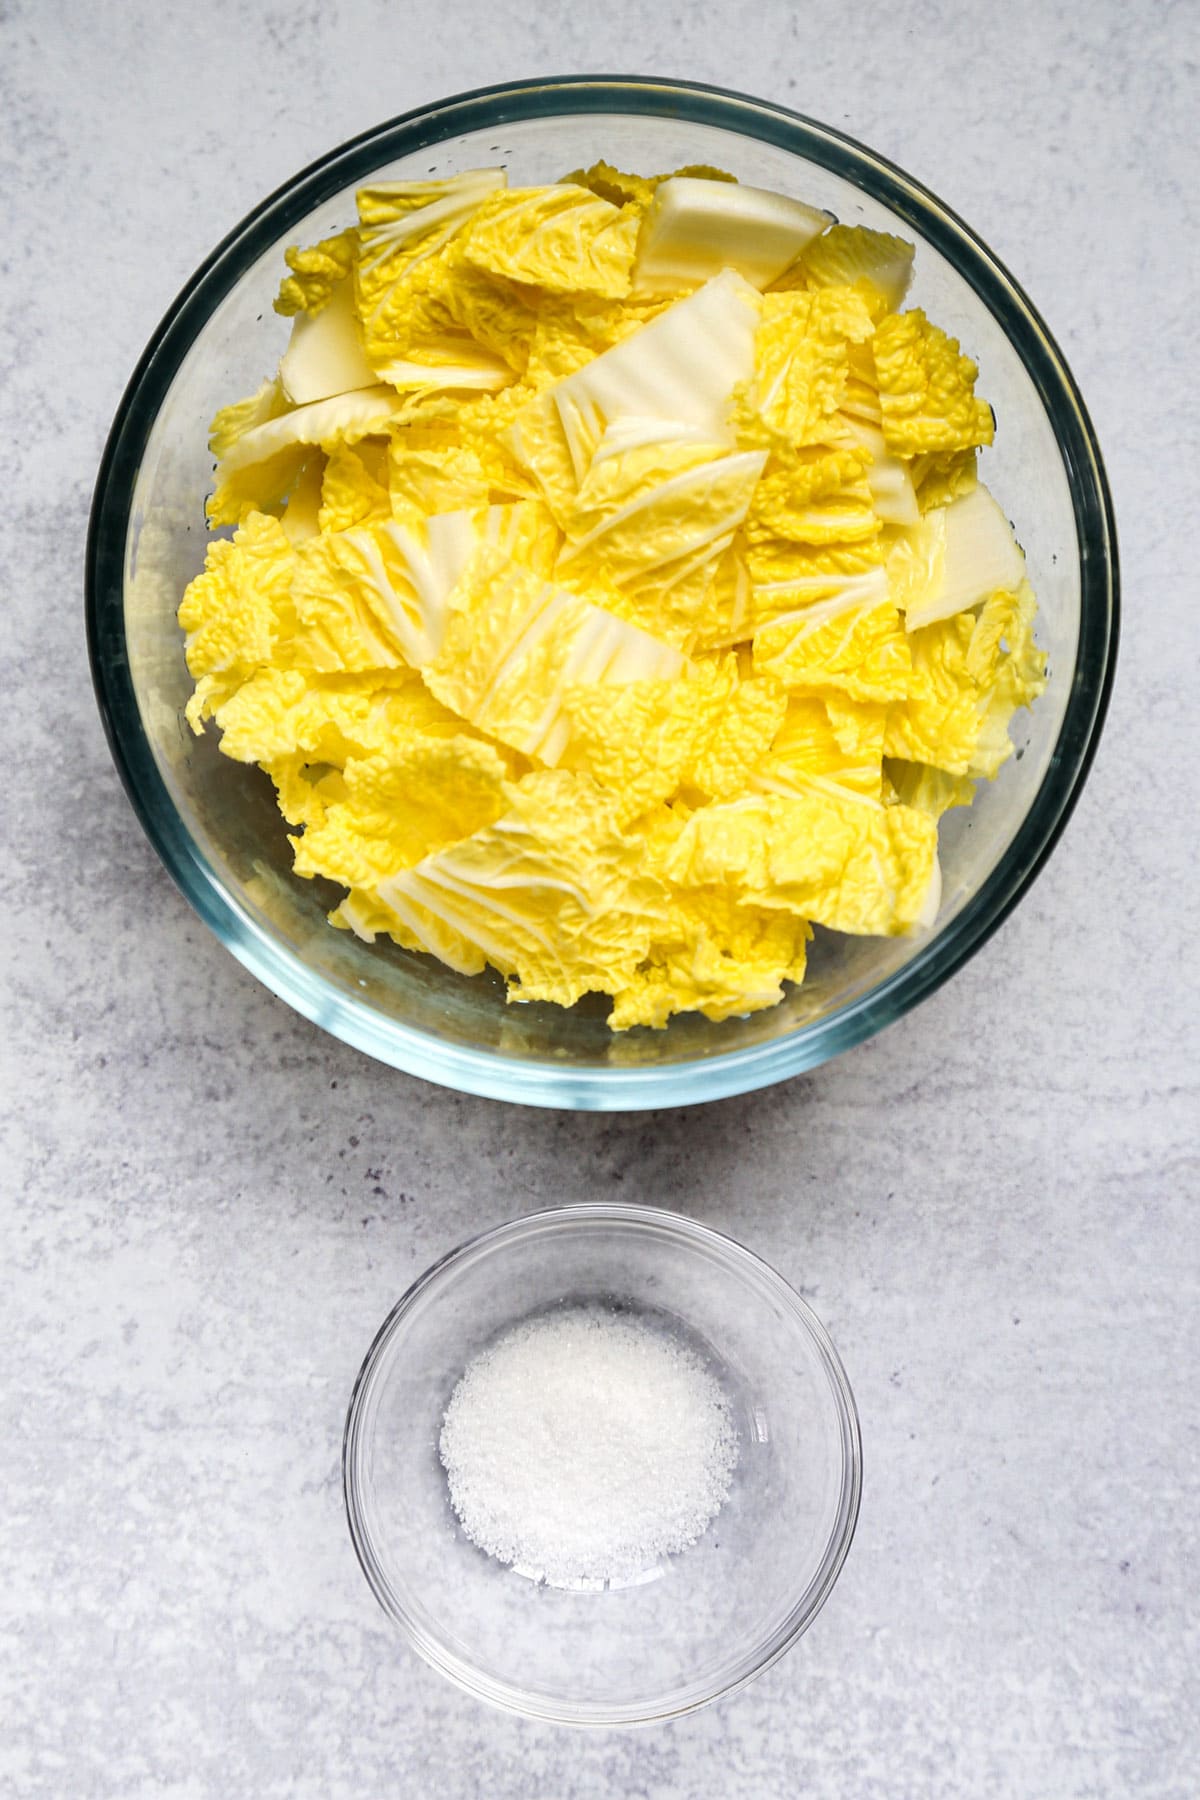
[
  {"x": 544, "y": 1081},
  {"x": 733, "y": 1255}
]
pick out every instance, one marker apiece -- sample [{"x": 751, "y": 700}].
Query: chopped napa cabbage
[
  {"x": 876, "y": 264},
  {"x": 801, "y": 366},
  {"x": 970, "y": 673},
  {"x": 354, "y": 486},
  {"x": 646, "y": 739},
  {"x": 854, "y": 868},
  {"x": 430, "y": 470},
  {"x": 810, "y": 754},
  {"x": 501, "y": 317},
  {"x": 860, "y": 403},
  {"x": 682, "y": 366},
  {"x": 713, "y": 955},
  {"x": 301, "y": 515},
  {"x": 400, "y": 804},
  {"x": 480, "y": 425},
  {"x": 233, "y": 422},
  {"x": 613, "y": 635},
  {"x": 813, "y": 497},
  {"x": 538, "y": 441},
  {"x": 623, "y": 189},
  {"x": 854, "y": 644},
  {"x": 398, "y": 575},
  {"x": 941, "y": 476},
  {"x": 302, "y": 789},
  {"x": 443, "y": 360},
  {"x": 281, "y": 714},
  {"x": 514, "y": 641},
  {"x": 915, "y": 557},
  {"x": 728, "y": 611},
  {"x": 929, "y": 790},
  {"x": 325, "y": 355},
  {"x": 742, "y": 734},
  {"x": 671, "y": 381},
  {"x": 889, "y": 479},
  {"x": 563, "y": 239},
  {"x": 786, "y": 577},
  {"x": 976, "y": 555},
  {"x": 615, "y": 185},
  {"x": 415, "y": 218},
  {"x": 926, "y": 388},
  {"x": 409, "y": 334},
  {"x": 552, "y": 894},
  {"x": 1005, "y": 660},
  {"x": 639, "y": 741},
  {"x": 238, "y": 612},
  {"x": 259, "y": 464},
  {"x": 695, "y": 228},
  {"x": 405, "y": 574},
  {"x": 938, "y": 720},
  {"x": 655, "y": 510},
  {"x": 316, "y": 273},
  {"x": 342, "y": 625}
]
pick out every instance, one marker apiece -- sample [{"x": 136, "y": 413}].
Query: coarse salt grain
[{"x": 586, "y": 1443}]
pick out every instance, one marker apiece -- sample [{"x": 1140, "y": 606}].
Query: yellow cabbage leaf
[
  {"x": 727, "y": 617},
  {"x": 929, "y": 790},
  {"x": 382, "y": 590},
  {"x": 813, "y": 497},
  {"x": 563, "y": 240},
  {"x": 354, "y": 490},
  {"x": 279, "y": 713},
  {"x": 431, "y": 471},
  {"x": 646, "y": 739},
  {"x": 715, "y": 956},
  {"x": 514, "y": 641},
  {"x": 316, "y": 271},
  {"x": 861, "y": 869},
  {"x": 615, "y": 186},
  {"x": 926, "y": 388},
  {"x": 875, "y": 264},
  {"x": 941, "y": 476},
  {"x": 303, "y": 789},
  {"x": 970, "y": 673},
  {"x": 683, "y": 366},
  {"x": 234, "y": 421},
  {"x": 641, "y": 740},
  {"x": 404, "y": 277},
  {"x": 260, "y": 463},
  {"x": 657, "y": 507},
  {"x": 855, "y": 646},
  {"x": 400, "y": 804},
  {"x": 812, "y": 753},
  {"x": 301, "y": 514},
  {"x": 553, "y": 894},
  {"x": 740, "y": 737},
  {"x": 801, "y": 366},
  {"x": 238, "y": 612},
  {"x": 497, "y": 313},
  {"x": 786, "y": 577}
]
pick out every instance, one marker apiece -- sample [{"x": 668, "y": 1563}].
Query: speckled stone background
[{"x": 208, "y": 1205}]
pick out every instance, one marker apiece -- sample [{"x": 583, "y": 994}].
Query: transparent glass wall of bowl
[
  {"x": 687, "y": 1626},
  {"x": 229, "y": 809}
]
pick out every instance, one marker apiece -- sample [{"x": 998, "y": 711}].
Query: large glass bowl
[
  {"x": 689, "y": 1627},
  {"x": 214, "y": 822}
]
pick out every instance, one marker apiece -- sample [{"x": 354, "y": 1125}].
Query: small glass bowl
[
  {"x": 215, "y": 822},
  {"x": 694, "y": 1626}
]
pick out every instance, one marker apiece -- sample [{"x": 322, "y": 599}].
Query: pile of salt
[{"x": 585, "y": 1444}]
